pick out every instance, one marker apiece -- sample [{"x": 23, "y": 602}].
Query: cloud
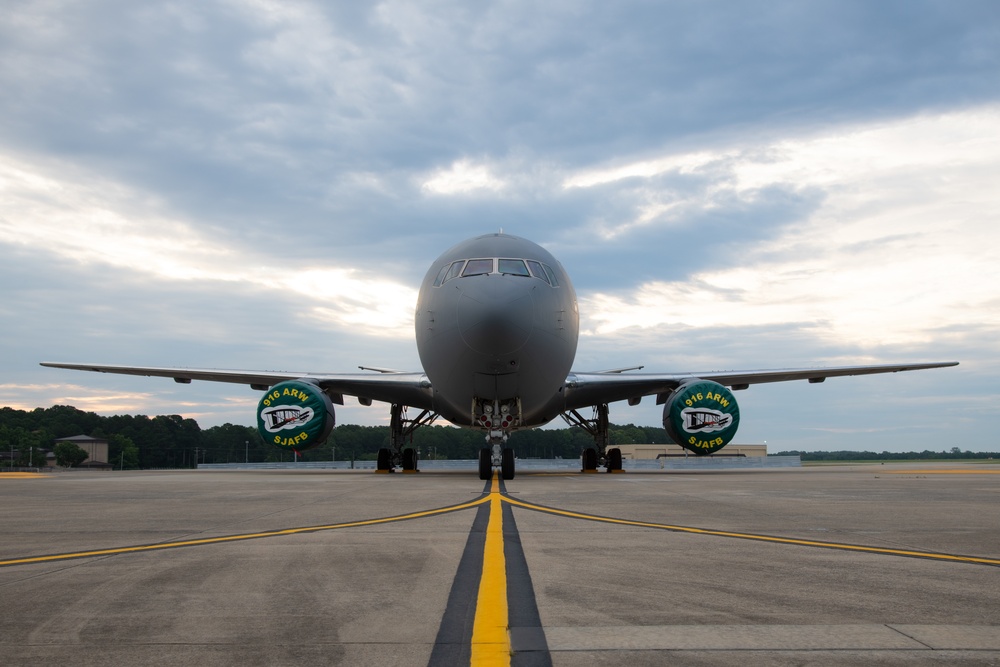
[
  {"x": 24, "y": 397},
  {"x": 903, "y": 242},
  {"x": 92, "y": 221},
  {"x": 462, "y": 176}
]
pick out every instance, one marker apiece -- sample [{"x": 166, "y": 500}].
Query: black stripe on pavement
[
  {"x": 527, "y": 637},
  {"x": 453, "y": 644}
]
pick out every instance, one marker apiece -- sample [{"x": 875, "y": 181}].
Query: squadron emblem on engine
[
  {"x": 703, "y": 420},
  {"x": 282, "y": 417}
]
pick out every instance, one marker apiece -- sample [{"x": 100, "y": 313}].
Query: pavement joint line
[
  {"x": 758, "y": 537},
  {"x": 908, "y": 636},
  {"x": 779, "y": 637},
  {"x": 242, "y": 536},
  {"x": 941, "y": 472}
]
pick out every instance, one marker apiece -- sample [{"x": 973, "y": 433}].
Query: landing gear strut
[
  {"x": 497, "y": 418},
  {"x": 596, "y": 426},
  {"x": 400, "y": 429}
]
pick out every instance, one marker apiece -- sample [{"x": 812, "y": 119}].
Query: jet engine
[
  {"x": 702, "y": 416},
  {"x": 296, "y": 414}
]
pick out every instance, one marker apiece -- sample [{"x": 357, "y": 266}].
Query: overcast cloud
[{"x": 730, "y": 184}]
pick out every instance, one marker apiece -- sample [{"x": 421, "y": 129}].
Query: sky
[{"x": 731, "y": 185}]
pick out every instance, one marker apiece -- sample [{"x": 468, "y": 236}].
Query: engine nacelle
[
  {"x": 701, "y": 416},
  {"x": 295, "y": 415}
]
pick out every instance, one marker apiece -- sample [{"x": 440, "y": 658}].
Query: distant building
[
  {"x": 635, "y": 452},
  {"x": 96, "y": 448}
]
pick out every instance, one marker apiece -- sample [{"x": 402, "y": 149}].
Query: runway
[{"x": 886, "y": 564}]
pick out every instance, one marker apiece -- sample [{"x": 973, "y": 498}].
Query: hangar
[
  {"x": 96, "y": 448},
  {"x": 646, "y": 452}
]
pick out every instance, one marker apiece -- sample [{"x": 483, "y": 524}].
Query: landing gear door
[{"x": 497, "y": 387}]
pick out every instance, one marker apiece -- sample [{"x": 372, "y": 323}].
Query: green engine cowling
[
  {"x": 295, "y": 415},
  {"x": 701, "y": 416}
]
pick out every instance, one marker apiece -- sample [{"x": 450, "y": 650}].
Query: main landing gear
[
  {"x": 600, "y": 453},
  {"x": 401, "y": 429}
]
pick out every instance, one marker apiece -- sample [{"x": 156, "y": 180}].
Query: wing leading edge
[
  {"x": 412, "y": 389},
  {"x": 587, "y": 389}
]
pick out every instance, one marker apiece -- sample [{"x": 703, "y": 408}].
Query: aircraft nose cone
[{"x": 496, "y": 314}]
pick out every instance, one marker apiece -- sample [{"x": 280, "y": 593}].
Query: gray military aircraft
[{"x": 497, "y": 327}]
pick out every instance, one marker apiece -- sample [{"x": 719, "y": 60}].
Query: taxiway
[{"x": 883, "y": 564}]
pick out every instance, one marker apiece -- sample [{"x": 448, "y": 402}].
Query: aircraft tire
[
  {"x": 485, "y": 464},
  {"x": 384, "y": 461},
  {"x": 614, "y": 459},
  {"x": 590, "y": 460},
  {"x": 507, "y": 463},
  {"x": 409, "y": 460}
]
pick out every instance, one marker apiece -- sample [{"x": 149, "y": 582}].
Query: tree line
[{"x": 172, "y": 441}]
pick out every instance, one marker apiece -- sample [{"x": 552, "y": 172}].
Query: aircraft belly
[
  {"x": 535, "y": 375},
  {"x": 498, "y": 386}
]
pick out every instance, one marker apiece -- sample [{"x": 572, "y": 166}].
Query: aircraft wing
[
  {"x": 587, "y": 389},
  {"x": 412, "y": 389}
]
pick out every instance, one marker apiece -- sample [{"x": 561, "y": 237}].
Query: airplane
[{"x": 497, "y": 325}]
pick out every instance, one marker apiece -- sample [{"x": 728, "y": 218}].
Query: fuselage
[{"x": 497, "y": 327}]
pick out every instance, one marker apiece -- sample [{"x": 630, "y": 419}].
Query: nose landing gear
[
  {"x": 497, "y": 418},
  {"x": 496, "y": 455}
]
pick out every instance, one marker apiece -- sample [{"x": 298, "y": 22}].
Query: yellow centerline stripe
[
  {"x": 490, "y": 639},
  {"x": 244, "y": 536},
  {"x": 760, "y": 538}
]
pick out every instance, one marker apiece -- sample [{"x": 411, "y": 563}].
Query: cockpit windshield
[
  {"x": 512, "y": 267},
  {"x": 507, "y": 266},
  {"x": 477, "y": 267}
]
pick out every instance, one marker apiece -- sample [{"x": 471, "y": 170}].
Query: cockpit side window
[
  {"x": 537, "y": 270},
  {"x": 551, "y": 274},
  {"x": 477, "y": 267},
  {"x": 454, "y": 270},
  {"x": 441, "y": 274},
  {"x": 512, "y": 267}
]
